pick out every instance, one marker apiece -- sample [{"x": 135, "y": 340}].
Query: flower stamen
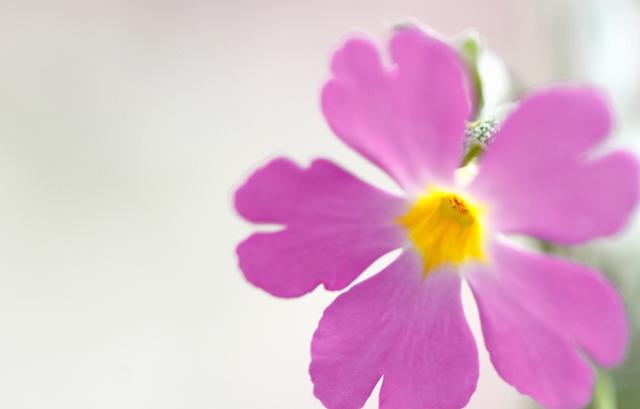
[{"x": 445, "y": 228}]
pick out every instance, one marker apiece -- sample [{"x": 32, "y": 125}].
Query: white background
[{"x": 124, "y": 128}]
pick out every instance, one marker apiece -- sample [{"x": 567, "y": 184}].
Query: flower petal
[
  {"x": 538, "y": 179},
  {"x": 525, "y": 351},
  {"x": 398, "y": 325},
  {"x": 409, "y": 119},
  {"x": 581, "y": 304},
  {"x": 336, "y": 226}
]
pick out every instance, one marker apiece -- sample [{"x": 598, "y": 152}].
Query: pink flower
[{"x": 542, "y": 318}]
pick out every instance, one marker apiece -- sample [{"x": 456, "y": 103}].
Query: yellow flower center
[{"x": 445, "y": 229}]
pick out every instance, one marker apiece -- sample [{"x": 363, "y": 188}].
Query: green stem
[
  {"x": 604, "y": 396},
  {"x": 471, "y": 53}
]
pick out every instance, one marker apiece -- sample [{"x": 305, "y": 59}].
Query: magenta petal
[
  {"x": 398, "y": 325},
  {"x": 526, "y": 351},
  {"x": 538, "y": 179},
  {"x": 581, "y": 304},
  {"x": 409, "y": 119},
  {"x": 335, "y": 227}
]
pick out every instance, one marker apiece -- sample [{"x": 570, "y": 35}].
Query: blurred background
[{"x": 125, "y": 127}]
